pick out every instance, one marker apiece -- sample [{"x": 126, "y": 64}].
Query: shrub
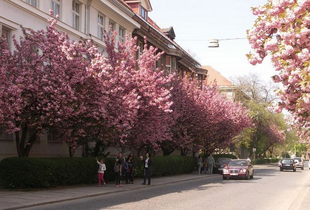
[
  {"x": 264, "y": 161},
  {"x": 51, "y": 172}
]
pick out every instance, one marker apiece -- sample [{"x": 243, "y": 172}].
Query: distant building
[{"x": 226, "y": 87}]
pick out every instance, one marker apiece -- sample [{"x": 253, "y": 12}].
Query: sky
[{"x": 195, "y": 22}]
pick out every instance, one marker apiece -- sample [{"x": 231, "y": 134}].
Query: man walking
[{"x": 211, "y": 163}]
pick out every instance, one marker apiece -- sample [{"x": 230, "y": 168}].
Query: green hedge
[
  {"x": 51, "y": 172},
  {"x": 264, "y": 161}
]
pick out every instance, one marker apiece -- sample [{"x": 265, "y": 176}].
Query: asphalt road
[{"x": 270, "y": 189}]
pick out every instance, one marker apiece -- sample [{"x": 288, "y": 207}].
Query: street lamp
[{"x": 214, "y": 43}]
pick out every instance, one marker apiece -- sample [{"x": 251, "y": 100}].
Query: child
[{"x": 101, "y": 170}]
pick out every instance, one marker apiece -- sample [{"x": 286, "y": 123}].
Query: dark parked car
[
  {"x": 220, "y": 164},
  {"x": 300, "y": 163},
  {"x": 238, "y": 169},
  {"x": 287, "y": 164}
]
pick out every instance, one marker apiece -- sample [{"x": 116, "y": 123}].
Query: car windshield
[
  {"x": 287, "y": 161},
  {"x": 238, "y": 163},
  {"x": 223, "y": 160}
]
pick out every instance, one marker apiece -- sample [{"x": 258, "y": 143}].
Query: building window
[
  {"x": 112, "y": 25},
  {"x": 121, "y": 34},
  {"x": 53, "y": 136},
  {"x": 76, "y": 15},
  {"x": 140, "y": 50},
  {"x": 168, "y": 64},
  {"x": 5, "y": 33},
  {"x": 5, "y": 136},
  {"x": 32, "y": 2},
  {"x": 100, "y": 22},
  {"x": 55, "y": 5},
  {"x": 143, "y": 12},
  {"x": 173, "y": 64}
]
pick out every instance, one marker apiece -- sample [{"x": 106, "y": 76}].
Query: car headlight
[{"x": 243, "y": 170}]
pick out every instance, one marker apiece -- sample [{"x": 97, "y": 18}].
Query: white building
[{"x": 81, "y": 19}]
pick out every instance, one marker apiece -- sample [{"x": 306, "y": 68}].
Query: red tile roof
[{"x": 215, "y": 76}]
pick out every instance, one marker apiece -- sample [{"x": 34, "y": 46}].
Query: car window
[
  {"x": 221, "y": 160},
  {"x": 287, "y": 161},
  {"x": 226, "y": 160}
]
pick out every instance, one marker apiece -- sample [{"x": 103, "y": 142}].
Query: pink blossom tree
[
  {"x": 203, "y": 118},
  {"x": 45, "y": 83},
  {"x": 282, "y": 31}
]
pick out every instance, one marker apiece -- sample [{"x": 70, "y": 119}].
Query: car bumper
[
  {"x": 287, "y": 168},
  {"x": 238, "y": 176}
]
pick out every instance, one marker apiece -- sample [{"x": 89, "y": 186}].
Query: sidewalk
[{"x": 22, "y": 199}]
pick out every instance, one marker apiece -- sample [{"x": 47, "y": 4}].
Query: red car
[{"x": 240, "y": 168}]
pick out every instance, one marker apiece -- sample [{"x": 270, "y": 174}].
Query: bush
[
  {"x": 51, "y": 172},
  {"x": 264, "y": 161}
]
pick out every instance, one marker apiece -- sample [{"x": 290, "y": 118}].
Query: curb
[{"x": 108, "y": 193}]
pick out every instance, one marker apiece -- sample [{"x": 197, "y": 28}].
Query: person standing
[
  {"x": 211, "y": 163},
  {"x": 101, "y": 170},
  {"x": 130, "y": 169},
  {"x": 147, "y": 163},
  {"x": 205, "y": 166},
  {"x": 118, "y": 165},
  {"x": 199, "y": 163}
]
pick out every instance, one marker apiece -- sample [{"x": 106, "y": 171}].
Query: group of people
[
  {"x": 126, "y": 167},
  {"x": 206, "y": 164}
]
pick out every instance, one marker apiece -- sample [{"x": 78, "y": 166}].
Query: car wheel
[
  {"x": 302, "y": 168},
  {"x": 252, "y": 176},
  {"x": 294, "y": 170}
]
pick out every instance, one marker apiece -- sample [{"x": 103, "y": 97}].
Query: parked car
[
  {"x": 240, "y": 168},
  {"x": 287, "y": 164},
  {"x": 220, "y": 164},
  {"x": 300, "y": 163}
]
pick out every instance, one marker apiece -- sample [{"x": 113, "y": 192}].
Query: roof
[
  {"x": 215, "y": 76},
  {"x": 168, "y": 32}
]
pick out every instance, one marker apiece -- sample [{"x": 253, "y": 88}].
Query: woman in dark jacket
[
  {"x": 147, "y": 163},
  {"x": 130, "y": 169}
]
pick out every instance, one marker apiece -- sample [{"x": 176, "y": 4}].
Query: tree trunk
[
  {"x": 184, "y": 151},
  {"x": 22, "y": 145}
]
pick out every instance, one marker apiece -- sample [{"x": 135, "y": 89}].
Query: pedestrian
[
  {"x": 130, "y": 169},
  {"x": 211, "y": 163},
  {"x": 199, "y": 163},
  {"x": 147, "y": 164},
  {"x": 205, "y": 166},
  {"x": 118, "y": 166},
  {"x": 101, "y": 170}
]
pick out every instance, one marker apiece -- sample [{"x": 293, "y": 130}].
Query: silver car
[{"x": 300, "y": 163}]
